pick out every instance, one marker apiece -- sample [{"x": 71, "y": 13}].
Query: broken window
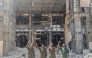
[
  {"x": 37, "y": 23},
  {"x": 38, "y": 36},
  {"x": 83, "y": 21},
  {"x": 83, "y": 10},
  {"x": 38, "y": 19},
  {"x": 44, "y": 18},
  {"x": 21, "y": 20},
  {"x": 57, "y": 20}
]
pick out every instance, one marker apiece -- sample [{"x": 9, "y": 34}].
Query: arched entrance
[
  {"x": 41, "y": 38},
  {"x": 57, "y": 36},
  {"x": 21, "y": 41}
]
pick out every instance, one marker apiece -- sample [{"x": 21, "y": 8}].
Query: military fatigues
[
  {"x": 52, "y": 53},
  {"x": 43, "y": 52},
  {"x": 31, "y": 52}
]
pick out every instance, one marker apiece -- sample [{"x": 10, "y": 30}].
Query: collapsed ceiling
[{"x": 41, "y": 6}]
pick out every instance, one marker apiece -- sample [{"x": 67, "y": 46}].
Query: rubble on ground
[
  {"x": 88, "y": 55},
  {"x": 74, "y": 55},
  {"x": 23, "y": 53}
]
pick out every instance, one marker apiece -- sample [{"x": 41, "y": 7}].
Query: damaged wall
[{"x": 7, "y": 25}]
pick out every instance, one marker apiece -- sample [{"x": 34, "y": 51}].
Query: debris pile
[{"x": 88, "y": 55}]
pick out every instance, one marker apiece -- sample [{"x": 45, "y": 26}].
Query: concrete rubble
[
  {"x": 88, "y": 55},
  {"x": 22, "y": 53}
]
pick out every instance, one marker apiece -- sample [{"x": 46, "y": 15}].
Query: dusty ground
[{"x": 22, "y": 53}]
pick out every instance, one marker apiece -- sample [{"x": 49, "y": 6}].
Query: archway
[
  {"x": 57, "y": 37},
  {"x": 21, "y": 41}
]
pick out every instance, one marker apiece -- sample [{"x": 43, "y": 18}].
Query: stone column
[
  {"x": 66, "y": 23},
  {"x": 77, "y": 27},
  {"x": 1, "y": 38},
  {"x": 88, "y": 36},
  {"x": 67, "y": 33},
  {"x": 1, "y": 30},
  {"x": 50, "y": 33},
  {"x": 30, "y": 27}
]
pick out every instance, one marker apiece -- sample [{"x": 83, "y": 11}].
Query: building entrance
[
  {"x": 21, "y": 41},
  {"x": 57, "y": 36}
]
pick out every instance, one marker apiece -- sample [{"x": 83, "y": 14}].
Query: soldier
[
  {"x": 51, "y": 50},
  {"x": 42, "y": 50},
  {"x": 31, "y": 51},
  {"x": 64, "y": 51},
  {"x": 28, "y": 44}
]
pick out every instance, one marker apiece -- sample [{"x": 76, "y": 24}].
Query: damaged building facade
[
  {"x": 78, "y": 20},
  {"x": 68, "y": 21},
  {"x": 49, "y": 28}
]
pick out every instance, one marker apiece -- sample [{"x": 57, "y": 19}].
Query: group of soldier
[{"x": 43, "y": 50}]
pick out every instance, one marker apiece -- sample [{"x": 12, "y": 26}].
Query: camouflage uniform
[
  {"x": 52, "y": 53},
  {"x": 43, "y": 52},
  {"x": 31, "y": 52}
]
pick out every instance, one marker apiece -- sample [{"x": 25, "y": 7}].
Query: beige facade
[
  {"x": 43, "y": 27},
  {"x": 79, "y": 11},
  {"x": 7, "y": 27},
  {"x": 51, "y": 23}
]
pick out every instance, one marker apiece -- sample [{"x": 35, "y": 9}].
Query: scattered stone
[
  {"x": 88, "y": 55},
  {"x": 23, "y": 55}
]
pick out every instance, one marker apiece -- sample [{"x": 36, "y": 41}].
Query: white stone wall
[
  {"x": 1, "y": 48},
  {"x": 7, "y": 25},
  {"x": 85, "y": 3}
]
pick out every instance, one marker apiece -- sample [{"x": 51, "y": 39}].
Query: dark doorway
[
  {"x": 55, "y": 40},
  {"x": 42, "y": 38},
  {"x": 57, "y": 37},
  {"x": 39, "y": 42},
  {"x": 21, "y": 41}
]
